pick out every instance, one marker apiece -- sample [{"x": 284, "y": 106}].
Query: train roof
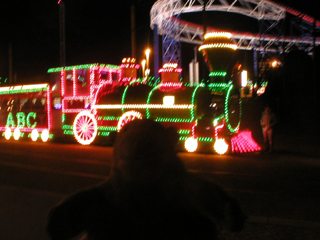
[
  {"x": 23, "y": 88},
  {"x": 82, "y": 66}
]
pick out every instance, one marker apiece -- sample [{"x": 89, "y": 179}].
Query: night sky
[{"x": 97, "y": 31}]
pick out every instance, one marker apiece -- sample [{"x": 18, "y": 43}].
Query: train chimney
[
  {"x": 129, "y": 70},
  {"x": 170, "y": 72},
  {"x": 217, "y": 50}
]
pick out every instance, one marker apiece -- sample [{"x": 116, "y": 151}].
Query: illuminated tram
[
  {"x": 25, "y": 109},
  {"x": 94, "y": 101}
]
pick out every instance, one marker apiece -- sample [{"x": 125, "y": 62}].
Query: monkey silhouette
[{"x": 148, "y": 195}]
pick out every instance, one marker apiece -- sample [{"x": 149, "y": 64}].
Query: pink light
[
  {"x": 216, "y": 129},
  {"x": 128, "y": 117},
  {"x": 49, "y": 107},
  {"x": 177, "y": 70},
  {"x": 244, "y": 142},
  {"x": 193, "y": 130},
  {"x": 74, "y": 110},
  {"x": 170, "y": 86},
  {"x": 74, "y": 80},
  {"x": 63, "y": 79},
  {"x": 92, "y": 87},
  {"x": 85, "y": 128},
  {"x": 128, "y": 65},
  {"x": 76, "y": 98},
  {"x": 24, "y": 129}
]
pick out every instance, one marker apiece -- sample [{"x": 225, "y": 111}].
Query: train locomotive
[{"x": 94, "y": 101}]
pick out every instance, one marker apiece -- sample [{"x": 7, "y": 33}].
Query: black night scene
[{"x": 204, "y": 129}]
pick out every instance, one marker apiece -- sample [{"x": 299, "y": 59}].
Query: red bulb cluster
[{"x": 244, "y": 142}]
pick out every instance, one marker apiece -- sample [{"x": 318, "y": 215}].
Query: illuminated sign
[{"x": 22, "y": 120}]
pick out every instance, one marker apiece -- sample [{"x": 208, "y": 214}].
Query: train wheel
[
  {"x": 7, "y": 133},
  {"x": 128, "y": 117},
  {"x": 191, "y": 144},
  {"x": 85, "y": 128}
]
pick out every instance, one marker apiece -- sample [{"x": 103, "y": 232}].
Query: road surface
[{"x": 279, "y": 192}]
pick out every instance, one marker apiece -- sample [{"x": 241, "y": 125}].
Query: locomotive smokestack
[
  {"x": 170, "y": 72},
  {"x": 129, "y": 70},
  {"x": 217, "y": 50}
]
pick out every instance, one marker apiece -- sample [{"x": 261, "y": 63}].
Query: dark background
[{"x": 97, "y": 31}]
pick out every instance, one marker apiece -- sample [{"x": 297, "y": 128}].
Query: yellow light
[
  {"x": 220, "y": 146},
  {"x": 274, "y": 63},
  {"x": 16, "y": 134},
  {"x": 45, "y": 135},
  {"x": 244, "y": 78},
  {"x": 191, "y": 144},
  {"x": 147, "y": 62},
  {"x": 168, "y": 101},
  {"x": 218, "y": 45},
  {"x": 143, "y": 63},
  {"x": 170, "y": 65},
  {"x": 34, "y": 135},
  {"x": 147, "y": 52},
  {"x": 7, "y": 133},
  {"x": 23, "y": 87},
  {"x": 143, "y": 106},
  {"x": 218, "y": 34},
  {"x": 4, "y": 89}
]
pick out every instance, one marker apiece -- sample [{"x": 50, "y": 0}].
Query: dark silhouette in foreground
[{"x": 148, "y": 195}]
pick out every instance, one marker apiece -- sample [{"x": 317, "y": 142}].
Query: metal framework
[
  {"x": 166, "y": 15},
  {"x": 171, "y": 46}
]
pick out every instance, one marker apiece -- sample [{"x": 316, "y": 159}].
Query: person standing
[{"x": 267, "y": 121}]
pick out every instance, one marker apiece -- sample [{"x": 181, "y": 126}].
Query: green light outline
[
  {"x": 148, "y": 100},
  {"x": 217, "y": 74},
  {"x": 124, "y": 97},
  {"x": 23, "y": 91},
  {"x": 192, "y": 110},
  {"x": 226, "y": 111}
]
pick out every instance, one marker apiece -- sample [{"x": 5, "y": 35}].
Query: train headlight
[
  {"x": 168, "y": 101},
  {"x": 191, "y": 144},
  {"x": 221, "y": 146}
]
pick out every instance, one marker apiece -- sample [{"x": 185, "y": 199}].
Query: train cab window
[
  {"x": 82, "y": 82},
  {"x": 96, "y": 77},
  {"x": 14, "y": 105},
  {"x": 38, "y": 103},
  {"x": 26, "y": 104},
  {"x": 56, "y": 103},
  {"x": 68, "y": 88},
  {"x": 4, "y": 104},
  {"x": 75, "y": 104},
  {"x": 104, "y": 75},
  {"x": 115, "y": 77},
  {"x": 107, "y": 76}
]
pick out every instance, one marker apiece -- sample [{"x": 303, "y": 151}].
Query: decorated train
[{"x": 92, "y": 102}]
